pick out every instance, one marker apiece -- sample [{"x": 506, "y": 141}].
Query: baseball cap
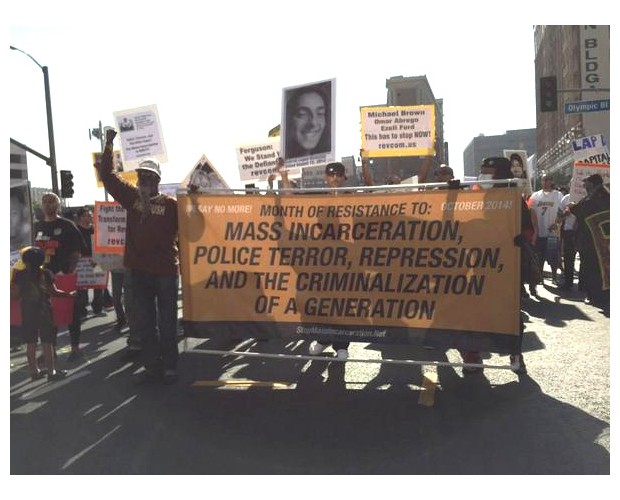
[
  {"x": 444, "y": 170},
  {"x": 335, "y": 168},
  {"x": 150, "y": 165},
  {"x": 594, "y": 179}
]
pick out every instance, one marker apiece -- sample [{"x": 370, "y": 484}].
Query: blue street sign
[{"x": 586, "y": 106}]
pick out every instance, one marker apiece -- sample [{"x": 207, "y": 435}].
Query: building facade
[
  {"x": 19, "y": 166},
  {"x": 410, "y": 91},
  {"x": 484, "y": 146},
  {"x": 578, "y": 56}
]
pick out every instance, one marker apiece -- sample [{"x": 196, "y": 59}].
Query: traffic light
[
  {"x": 66, "y": 184},
  {"x": 548, "y": 93}
]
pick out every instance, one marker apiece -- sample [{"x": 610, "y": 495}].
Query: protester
[
  {"x": 308, "y": 123},
  {"x": 151, "y": 256},
  {"x": 335, "y": 177},
  {"x": 545, "y": 206},
  {"x": 85, "y": 225},
  {"x": 34, "y": 286},
  {"x": 495, "y": 168},
  {"x": 593, "y": 240},
  {"x": 567, "y": 239},
  {"x": 63, "y": 244}
]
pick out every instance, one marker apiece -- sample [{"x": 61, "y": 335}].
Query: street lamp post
[{"x": 51, "y": 161}]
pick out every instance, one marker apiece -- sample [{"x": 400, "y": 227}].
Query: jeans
[
  {"x": 118, "y": 297},
  {"x": 154, "y": 317}
]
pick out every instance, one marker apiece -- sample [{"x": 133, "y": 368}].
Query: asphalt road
[{"x": 252, "y": 415}]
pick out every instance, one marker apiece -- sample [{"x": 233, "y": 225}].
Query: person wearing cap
[
  {"x": 335, "y": 177},
  {"x": 63, "y": 245},
  {"x": 593, "y": 240},
  {"x": 152, "y": 260},
  {"x": 34, "y": 286},
  {"x": 495, "y": 168}
]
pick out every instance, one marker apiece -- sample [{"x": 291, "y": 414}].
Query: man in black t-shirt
[{"x": 63, "y": 244}]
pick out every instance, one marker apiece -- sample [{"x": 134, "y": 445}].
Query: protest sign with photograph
[
  {"x": 204, "y": 176},
  {"x": 309, "y": 124},
  {"x": 141, "y": 136}
]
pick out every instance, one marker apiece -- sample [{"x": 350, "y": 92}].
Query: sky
[{"x": 216, "y": 74}]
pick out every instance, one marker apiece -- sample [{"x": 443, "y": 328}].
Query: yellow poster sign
[
  {"x": 388, "y": 267},
  {"x": 392, "y": 131}
]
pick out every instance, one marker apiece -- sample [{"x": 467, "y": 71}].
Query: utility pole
[{"x": 98, "y": 133}]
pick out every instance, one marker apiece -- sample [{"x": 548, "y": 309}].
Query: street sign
[{"x": 586, "y": 106}]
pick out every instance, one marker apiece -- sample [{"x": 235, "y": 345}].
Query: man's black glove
[{"x": 454, "y": 184}]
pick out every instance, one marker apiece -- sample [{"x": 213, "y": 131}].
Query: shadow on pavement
[{"x": 98, "y": 421}]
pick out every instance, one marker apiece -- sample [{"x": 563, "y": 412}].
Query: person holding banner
[
  {"x": 593, "y": 240},
  {"x": 334, "y": 177},
  {"x": 63, "y": 245},
  {"x": 152, "y": 259},
  {"x": 495, "y": 168},
  {"x": 308, "y": 123}
]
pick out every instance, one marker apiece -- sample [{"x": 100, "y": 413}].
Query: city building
[
  {"x": 485, "y": 146},
  {"x": 578, "y": 57},
  {"x": 409, "y": 91},
  {"x": 19, "y": 166}
]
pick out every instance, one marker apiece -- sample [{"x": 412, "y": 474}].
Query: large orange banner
[{"x": 437, "y": 267}]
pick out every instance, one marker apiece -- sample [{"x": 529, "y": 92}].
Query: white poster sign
[
  {"x": 582, "y": 170},
  {"x": 258, "y": 160},
  {"x": 90, "y": 274},
  {"x": 591, "y": 149},
  {"x": 204, "y": 177},
  {"x": 398, "y": 131},
  {"x": 141, "y": 135}
]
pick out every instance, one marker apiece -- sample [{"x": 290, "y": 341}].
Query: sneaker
[
  {"x": 100, "y": 314},
  {"x": 342, "y": 354},
  {"x": 57, "y": 375},
  {"x": 170, "y": 376},
  {"x": 517, "y": 364},
  {"x": 472, "y": 357},
  {"x": 316, "y": 348}
]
